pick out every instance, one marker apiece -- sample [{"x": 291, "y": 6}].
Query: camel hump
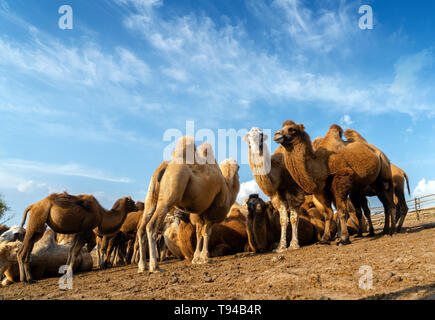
[
  {"x": 353, "y": 136},
  {"x": 66, "y": 200},
  {"x": 205, "y": 150},
  {"x": 185, "y": 150}
]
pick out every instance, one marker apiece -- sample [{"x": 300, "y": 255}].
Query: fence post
[{"x": 417, "y": 208}]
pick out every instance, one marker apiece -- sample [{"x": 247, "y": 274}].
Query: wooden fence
[{"x": 419, "y": 208}]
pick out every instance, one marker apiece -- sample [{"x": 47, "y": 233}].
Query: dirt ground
[{"x": 403, "y": 267}]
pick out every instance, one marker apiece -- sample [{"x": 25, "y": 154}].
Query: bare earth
[{"x": 403, "y": 268}]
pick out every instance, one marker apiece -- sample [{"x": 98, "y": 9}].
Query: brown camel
[
  {"x": 274, "y": 180},
  {"x": 194, "y": 184},
  {"x": 333, "y": 172},
  {"x": 227, "y": 237},
  {"x": 389, "y": 170},
  {"x": 263, "y": 226},
  {"x": 69, "y": 214},
  {"x": 45, "y": 260}
]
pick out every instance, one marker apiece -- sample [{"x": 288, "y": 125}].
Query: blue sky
[{"x": 85, "y": 110}]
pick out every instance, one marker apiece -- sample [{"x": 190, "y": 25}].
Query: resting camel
[
  {"x": 45, "y": 260},
  {"x": 263, "y": 226},
  {"x": 333, "y": 172},
  {"x": 68, "y": 239},
  {"x": 274, "y": 180},
  {"x": 193, "y": 183},
  {"x": 69, "y": 214},
  {"x": 227, "y": 237}
]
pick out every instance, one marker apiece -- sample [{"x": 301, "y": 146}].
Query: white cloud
[
  {"x": 71, "y": 169},
  {"x": 12, "y": 181},
  {"x": 87, "y": 65},
  {"x": 346, "y": 121},
  {"x": 425, "y": 187},
  {"x": 248, "y": 188}
]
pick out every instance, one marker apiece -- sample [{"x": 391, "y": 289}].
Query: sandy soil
[{"x": 403, "y": 267}]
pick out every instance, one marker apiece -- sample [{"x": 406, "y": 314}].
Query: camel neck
[
  {"x": 112, "y": 220},
  {"x": 303, "y": 165}
]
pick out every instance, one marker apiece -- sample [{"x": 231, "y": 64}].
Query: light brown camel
[
  {"x": 399, "y": 177},
  {"x": 195, "y": 184},
  {"x": 334, "y": 171},
  {"x": 274, "y": 180},
  {"x": 69, "y": 214},
  {"x": 45, "y": 260},
  {"x": 263, "y": 226}
]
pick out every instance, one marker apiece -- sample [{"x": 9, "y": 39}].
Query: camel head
[
  {"x": 289, "y": 134},
  {"x": 8, "y": 254},
  {"x": 255, "y": 139},
  {"x": 256, "y": 206},
  {"x": 140, "y": 205},
  {"x": 127, "y": 203}
]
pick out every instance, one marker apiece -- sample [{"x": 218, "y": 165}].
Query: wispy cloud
[{"x": 71, "y": 169}]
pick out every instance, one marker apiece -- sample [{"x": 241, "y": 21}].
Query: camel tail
[
  {"x": 407, "y": 183},
  {"x": 25, "y": 216}
]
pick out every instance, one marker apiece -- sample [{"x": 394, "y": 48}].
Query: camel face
[
  {"x": 256, "y": 206},
  {"x": 287, "y": 135},
  {"x": 256, "y": 138}
]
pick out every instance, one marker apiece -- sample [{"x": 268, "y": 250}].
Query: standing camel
[
  {"x": 334, "y": 171},
  {"x": 274, "y": 180},
  {"x": 194, "y": 183},
  {"x": 69, "y": 214}
]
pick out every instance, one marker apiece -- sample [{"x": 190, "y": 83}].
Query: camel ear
[{"x": 301, "y": 127}]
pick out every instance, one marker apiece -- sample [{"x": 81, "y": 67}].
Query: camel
[
  {"x": 3, "y": 229},
  {"x": 194, "y": 183},
  {"x": 399, "y": 177},
  {"x": 12, "y": 234},
  {"x": 274, "y": 180},
  {"x": 68, "y": 239},
  {"x": 69, "y": 214},
  {"x": 263, "y": 225},
  {"x": 46, "y": 258},
  {"x": 227, "y": 237},
  {"x": 333, "y": 172}
]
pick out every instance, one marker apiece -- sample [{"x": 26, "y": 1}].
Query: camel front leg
[
  {"x": 206, "y": 230},
  {"x": 199, "y": 244},
  {"x": 294, "y": 220},
  {"x": 281, "y": 205}
]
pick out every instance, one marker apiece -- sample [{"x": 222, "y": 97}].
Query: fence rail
[{"x": 420, "y": 208}]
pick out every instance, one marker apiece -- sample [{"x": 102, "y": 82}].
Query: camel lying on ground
[
  {"x": 69, "y": 214},
  {"x": 45, "y": 260},
  {"x": 193, "y": 182},
  {"x": 263, "y": 225},
  {"x": 227, "y": 237}
]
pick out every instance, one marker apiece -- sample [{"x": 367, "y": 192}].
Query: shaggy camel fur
[
  {"x": 388, "y": 172},
  {"x": 45, "y": 260},
  {"x": 263, "y": 225},
  {"x": 69, "y": 214},
  {"x": 193, "y": 183},
  {"x": 274, "y": 180},
  {"x": 334, "y": 171},
  {"x": 227, "y": 237}
]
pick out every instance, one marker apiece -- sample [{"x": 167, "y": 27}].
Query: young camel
[
  {"x": 274, "y": 180},
  {"x": 334, "y": 171},
  {"x": 194, "y": 183},
  {"x": 69, "y": 214}
]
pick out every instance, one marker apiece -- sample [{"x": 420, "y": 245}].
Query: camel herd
[{"x": 190, "y": 210}]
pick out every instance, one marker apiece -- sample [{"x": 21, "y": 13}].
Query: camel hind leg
[
  {"x": 37, "y": 217},
  {"x": 79, "y": 241},
  {"x": 341, "y": 186}
]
